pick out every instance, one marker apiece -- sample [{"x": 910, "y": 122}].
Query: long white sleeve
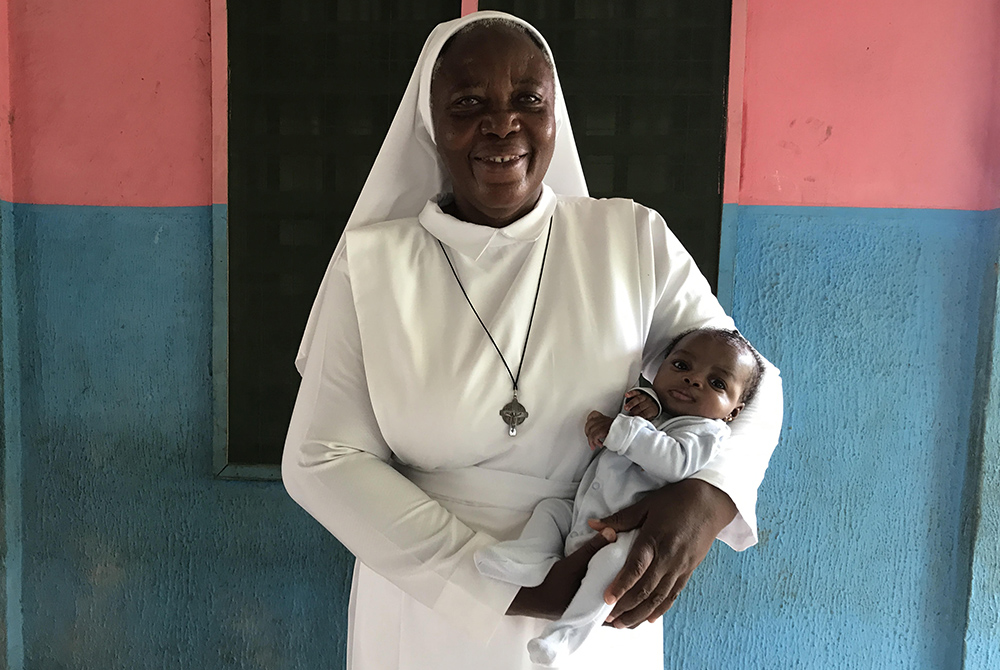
[
  {"x": 682, "y": 301},
  {"x": 336, "y": 466},
  {"x": 671, "y": 455}
]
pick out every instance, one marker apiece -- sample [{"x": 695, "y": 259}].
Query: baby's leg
[
  {"x": 526, "y": 560},
  {"x": 587, "y": 610}
]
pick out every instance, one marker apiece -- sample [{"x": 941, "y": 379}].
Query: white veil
[{"x": 408, "y": 172}]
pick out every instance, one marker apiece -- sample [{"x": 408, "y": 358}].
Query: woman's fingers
[
  {"x": 647, "y": 585},
  {"x": 650, "y": 594},
  {"x": 669, "y": 600},
  {"x": 549, "y": 599},
  {"x": 636, "y": 564},
  {"x": 677, "y": 527}
]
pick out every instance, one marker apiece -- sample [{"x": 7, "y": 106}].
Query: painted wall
[
  {"x": 134, "y": 556},
  {"x": 122, "y": 550},
  {"x": 112, "y": 102},
  {"x": 879, "y": 515},
  {"x": 862, "y": 236},
  {"x": 871, "y": 104}
]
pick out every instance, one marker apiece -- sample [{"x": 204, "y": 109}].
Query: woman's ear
[{"x": 735, "y": 413}]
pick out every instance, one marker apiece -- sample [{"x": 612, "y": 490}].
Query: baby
[{"x": 705, "y": 380}]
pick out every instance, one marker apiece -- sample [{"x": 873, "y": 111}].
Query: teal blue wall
[
  {"x": 881, "y": 321},
  {"x": 982, "y": 638},
  {"x": 134, "y": 556}
]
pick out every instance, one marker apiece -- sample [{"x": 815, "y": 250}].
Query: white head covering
[{"x": 408, "y": 171}]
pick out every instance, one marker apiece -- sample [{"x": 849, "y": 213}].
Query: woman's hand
[
  {"x": 549, "y": 599},
  {"x": 677, "y": 525}
]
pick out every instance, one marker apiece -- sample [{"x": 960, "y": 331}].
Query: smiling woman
[
  {"x": 493, "y": 110},
  {"x": 396, "y": 444}
]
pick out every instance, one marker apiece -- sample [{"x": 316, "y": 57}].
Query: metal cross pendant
[{"x": 513, "y": 414}]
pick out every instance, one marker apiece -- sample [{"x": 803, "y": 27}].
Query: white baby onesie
[{"x": 638, "y": 457}]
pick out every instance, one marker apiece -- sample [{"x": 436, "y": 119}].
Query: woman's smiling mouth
[
  {"x": 500, "y": 168},
  {"x": 499, "y": 159}
]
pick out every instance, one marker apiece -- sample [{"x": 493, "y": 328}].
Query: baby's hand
[
  {"x": 597, "y": 429},
  {"x": 640, "y": 404}
]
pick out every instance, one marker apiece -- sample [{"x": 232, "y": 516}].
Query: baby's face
[{"x": 704, "y": 376}]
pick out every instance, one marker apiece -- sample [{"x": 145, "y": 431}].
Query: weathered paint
[
  {"x": 112, "y": 102},
  {"x": 6, "y": 111},
  {"x": 469, "y": 6},
  {"x": 219, "y": 36},
  {"x": 876, "y": 320},
  {"x": 879, "y": 516},
  {"x": 982, "y": 637},
  {"x": 134, "y": 555},
  {"x": 10, "y": 438},
  {"x": 865, "y": 104},
  {"x": 733, "y": 157}
]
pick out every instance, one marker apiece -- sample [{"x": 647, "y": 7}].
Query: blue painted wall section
[
  {"x": 874, "y": 317},
  {"x": 134, "y": 555},
  {"x": 982, "y": 638},
  {"x": 10, "y": 439},
  {"x": 879, "y": 510}
]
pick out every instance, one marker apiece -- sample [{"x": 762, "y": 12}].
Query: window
[{"x": 313, "y": 88}]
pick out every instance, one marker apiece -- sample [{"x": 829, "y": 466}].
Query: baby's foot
[{"x": 544, "y": 652}]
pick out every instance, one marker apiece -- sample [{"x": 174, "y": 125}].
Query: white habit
[
  {"x": 617, "y": 288},
  {"x": 396, "y": 444}
]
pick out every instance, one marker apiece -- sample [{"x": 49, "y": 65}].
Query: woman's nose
[{"x": 501, "y": 123}]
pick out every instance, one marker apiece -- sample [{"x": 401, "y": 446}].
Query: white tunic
[{"x": 396, "y": 444}]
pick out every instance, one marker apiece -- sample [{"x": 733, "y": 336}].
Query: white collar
[{"x": 471, "y": 239}]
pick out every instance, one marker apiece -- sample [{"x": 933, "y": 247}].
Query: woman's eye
[
  {"x": 530, "y": 99},
  {"x": 467, "y": 101}
]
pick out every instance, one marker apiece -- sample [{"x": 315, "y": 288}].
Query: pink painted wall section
[
  {"x": 112, "y": 101},
  {"x": 732, "y": 171},
  {"x": 220, "y": 102},
  {"x": 992, "y": 147},
  {"x": 469, "y": 6},
  {"x": 865, "y": 103},
  {"x": 6, "y": 190}
]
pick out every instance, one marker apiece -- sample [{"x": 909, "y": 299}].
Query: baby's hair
[
  {"x": 733, "y": 338},
  {"x": 494, "y": 22}
]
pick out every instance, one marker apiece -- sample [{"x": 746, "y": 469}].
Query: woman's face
[{"x": 493, "y": 109}]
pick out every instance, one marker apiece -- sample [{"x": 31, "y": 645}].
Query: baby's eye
[
  {"x": 680, "y": 365},
  {"x": 718, "y": 384}
]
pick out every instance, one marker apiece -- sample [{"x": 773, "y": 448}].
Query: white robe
[{"x": 396, "y": 444}]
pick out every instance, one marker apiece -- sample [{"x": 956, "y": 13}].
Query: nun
[{"x": 478, "y": 306}]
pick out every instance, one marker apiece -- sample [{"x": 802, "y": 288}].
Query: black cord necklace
[{"x": 513, "y": 413}]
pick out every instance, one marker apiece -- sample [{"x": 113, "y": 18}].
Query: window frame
[{"x": 222, "y": 468}]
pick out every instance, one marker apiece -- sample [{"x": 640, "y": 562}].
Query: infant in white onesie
[{"x": 704, "y": 381}]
